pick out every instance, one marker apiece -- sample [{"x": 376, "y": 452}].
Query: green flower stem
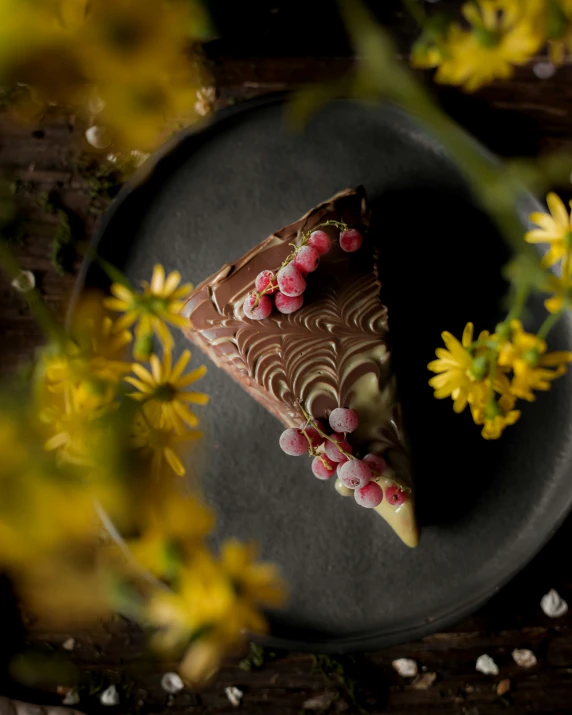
[
  {"x": 549, "y": 323},
  {"x": 416, "y": 11}
]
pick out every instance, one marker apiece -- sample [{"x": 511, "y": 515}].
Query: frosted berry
[
  {"x": 266, "y": 281},
  {"x": 342, "y": 489},
  {"x": 377, "y": 463},
  {"x": 285, "y": 304},
  {"x": 395, "y": 495},
  {"x": 344, "y": 420},
  {"x": 260, "y": 311},
  {"x": 332, "y": 450},
  {"x": 355, "y": 474},
  {"x": 323, "y": 467},
  {"x": 307, "y": 259},
  {"x": 341, "y": 464},
  {"x": 320, "y": 241},
  {"x": 290, "y": 281},
  {"x": 350, "y": 240},
  {"x": 313, "y": 435},
  {"x": 293, "y": 442},
  {"x": 369, "y": 496}
]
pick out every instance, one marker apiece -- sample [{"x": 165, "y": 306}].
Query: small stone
[
  {"x": 110, "y": 696},
  {"x": 553, "y": 604},
  {"x": 24, "y": 282},
  {"x": 503, "y": 687},
  {"x": 172, "y": 683},
  {"x": 69, "y": 644},
  {"x": 424, "y": 682},
  {"x": 405, "y": 667},
  {"x": 71, "y": 698},
  {"x": 234, "y": 695},
  {"x": 544, "y": 70},
  {"x": 320, "y": 702},
  {"x": 485, "y": 664},
  {"x": 205, "y": 101},
  {"x": 98, "y": 137},
  {"x": 524, "y": 658}
]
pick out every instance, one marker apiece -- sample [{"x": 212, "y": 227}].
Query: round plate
[{"x": 485, "y": 507}]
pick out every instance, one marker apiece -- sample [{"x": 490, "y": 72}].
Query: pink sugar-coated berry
[
  {"x": 355, "y": 474},
  {"x": 332, "y": 450},
  {"x": 350, "y": 240},
  {"x": 341, "y": 464},
  {"x": 395, "y": 495},
  {"x": 343, "y": 419},
  {"x": 313, "y": 435},
  {"x": 266, "y": 281},
  {"x": 285, "y": 304},
  {"x": 377, "y": 463},
  {"x": 307, "y": 259},
  {"x": 290, "y": 281},
  {"x": 293, "y": 442},
  {"x": 320, "y": 241},
  {"x": 323, "y": 467},
  {"x": 369, "y": 496},
  {"x": 261, "y": 311}
]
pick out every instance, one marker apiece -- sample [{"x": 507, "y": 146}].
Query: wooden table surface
[{"x": 523, "y": 116}]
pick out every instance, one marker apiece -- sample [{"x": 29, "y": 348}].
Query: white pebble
[
  {"x": 405, "y": 667},
  {"x": 524, "y": 658},
  {"x": 71, "y": 698},
  {"x": 109, "y": 696},
  {"x": 234, "y": 695},
  {"x": 69, "y": 644},
  {"x": 172, "y": 683},
  {"x": 98, "y": 137},
  {"x": 485, "y": 664},
  {"x": 544, "y": 70},
  {"x": 553, "y": 604},
  {"x": 24, "y": 282}
]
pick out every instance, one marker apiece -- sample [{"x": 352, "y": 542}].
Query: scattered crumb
[
  {"x": 69, "y": 644},
  {"x": 110, "y": 696},
  {"x": 172, "y": 683},
  {"x": 553, "y": 604},
  {"x": 321, "y": 701},
  {"x": 405, "y": 667},
  {"x": 524, "y": 658},
  {"x": 424, "y": 682},
  {"x": 274, "y": 679},
  {"x": 98, "y": 137},
  {"x": 24, "y": 282},
  {"x": 234, "y": 695},
  {"x": 469, "y": 689},
  {"x": 485, "y": 664},
  {"x": 71, "y": 698},
  {"x": 503, "y": 687},
  {"x": 205, "y": 101}
]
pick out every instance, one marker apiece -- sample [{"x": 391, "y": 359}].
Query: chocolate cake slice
[{"x": 332, "y": 352}]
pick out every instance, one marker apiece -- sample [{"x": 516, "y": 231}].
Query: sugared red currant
[
  {"x": 266, "y": 281},
  {"x": 395, "y": 495},
  {"x": 350, "y": 240},
  {"x": 323, "y": 467},
  {"x": 344, "y": 420},
  {"x": 332, "y": 450},
  {"x": 355, "y": 474},
  {"x": 307, "y": 259},
  {"x": 290, "y": 281},
  {"x": 377, "y": 463},
  {"x": 320, "y": 241},
  {"x": 254, "y": 311},
  {"x": 293, "y": 442},
  {"x": 313, "y": 435},
  {"x": 341, "y": 464},
  {"x": 285, "y": 304},
  {"x": 342, "y": 489},
  {"x": 369, "y": 496}
]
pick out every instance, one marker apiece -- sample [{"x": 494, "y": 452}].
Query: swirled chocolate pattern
[{"x": 332, "y": 352}]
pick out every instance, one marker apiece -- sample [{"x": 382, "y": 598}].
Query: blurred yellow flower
[
  {"x": 160, "y": 302},
  {"x": 159, "y": 445},
  {"x": 558, "y": 21},
  {"x": 555, "y": 228},
  {"x": 162, "y": 390},
  {"x": 496, "y": 416},
  {"x": 560, "y": 288}
]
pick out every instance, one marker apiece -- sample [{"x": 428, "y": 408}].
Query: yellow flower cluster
[
  {"x": 496, "y": 36},
  {"x": 490, "y": 373},
  {"x": 128, "y": 65}
]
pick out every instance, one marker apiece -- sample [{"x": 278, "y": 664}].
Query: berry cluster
[
  {"x": 289, "y": 284},
  {"x": 333, "y": 454}
]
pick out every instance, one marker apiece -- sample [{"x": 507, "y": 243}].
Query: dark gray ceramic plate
[{"x": 485, "y": 508}]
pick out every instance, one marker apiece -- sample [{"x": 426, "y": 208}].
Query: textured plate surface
[{"x": 485, "y": 508}]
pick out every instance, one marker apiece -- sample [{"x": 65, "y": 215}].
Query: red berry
[
  {"x": 369, "y": 496},
  {"x": 320, "y": 241},
  {"x": 260, "y": 311},
  {"x": 323, "y": 467},
  {"x": 333, "y": 452},
  {"x": 344, "y": 420},
  {"x": 375, "y": 462},
  {"x": 350, "y": 240},
  {"x": 266, "y": 281},
  {"x": 355, "y": 474},
  {"x": 285, "y": 304},
  {"x": 313, "y": 435},
  {"x": 341, "y": 464},
  {"x": 307, "y": 259},
  {"x": 290, "y": 281},
  {"x": 293, "y": 442},
  {"x": 395, "y": 495}
]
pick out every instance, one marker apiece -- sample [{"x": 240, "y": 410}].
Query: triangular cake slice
[{"x": 332, "y": 352}]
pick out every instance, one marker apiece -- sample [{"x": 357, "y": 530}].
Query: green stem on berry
[{"x": 323, "y": 434}]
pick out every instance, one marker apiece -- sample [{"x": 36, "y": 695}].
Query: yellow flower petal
[
  {"x": 185, "y": 414},
  {"x": 158, "y": 279},
  {"x": 142, "y": 373},
  {"x": 197, "y": 398},
  {"x": 174, "y": 462},
  {"x": 192, "y": 376},
  {"x": 138, "y": 385},
  {"x": 557, "y": 209},
  {"x": 467, "y": 335},
  {"x": 122, "y": 292},
  {"x": 156, "y": 368},
  {"x": 180, "y": 366},
  {"x": 172, "y": 281}
]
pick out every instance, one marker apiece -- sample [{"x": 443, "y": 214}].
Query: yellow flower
[
  {"x": 160, "y": 302},
  {"x": 559, "y": 29},
  {"x": 495, "y": 416},
  {"x": 554, "y": 228},
  {"x": 503, "y": 33},
  {"x": 527, "y": 356},
  {"x": 160, "y": 445},
  {"x": 162, "y": 391}
]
